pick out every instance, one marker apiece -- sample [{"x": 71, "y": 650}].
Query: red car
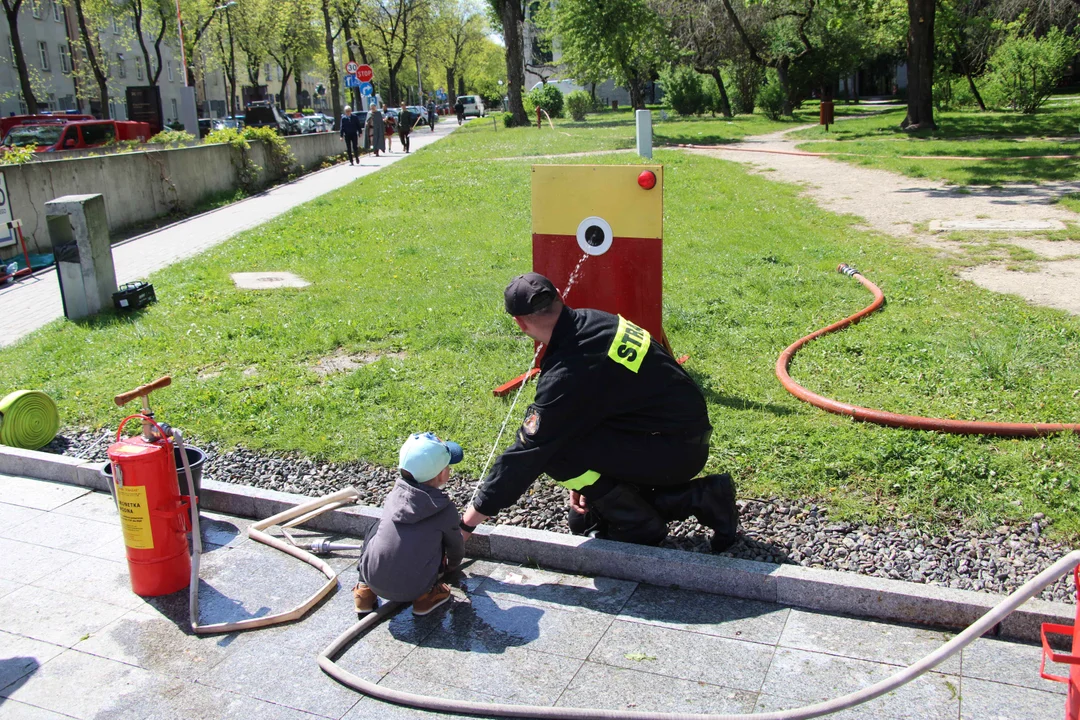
[
  {"x": 77, "y": 135},
  {"x": 13, "y": 121}
]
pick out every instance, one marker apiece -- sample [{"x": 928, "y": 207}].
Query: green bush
[
  {"x": 229, "y": 136},
  {"x": 1026, "y": 70},
  {"x": 17, "y": 155},
  {"x": 549, "y": 98},
  {"x": 281, "y": 155},
  {"x": 578, "y": 103},
  {"x": 746, "y": 78},
  {"x": 171, "y": 137},
  {"x": 770, "y": 98},
  {"x": 683, "y": 92}
]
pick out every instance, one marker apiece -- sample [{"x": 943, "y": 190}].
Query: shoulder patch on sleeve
[{"x": 532, "y": 422}]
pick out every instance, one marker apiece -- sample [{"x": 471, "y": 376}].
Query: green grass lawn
[
  {"x": 414, "y": 258},
  {"x": 1003, "y": 137}
]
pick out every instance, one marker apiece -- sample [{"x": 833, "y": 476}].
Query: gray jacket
[{"x": 402, "y": 554}]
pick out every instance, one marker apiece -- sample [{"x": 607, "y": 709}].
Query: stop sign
[{"x": 364, "y": 73}]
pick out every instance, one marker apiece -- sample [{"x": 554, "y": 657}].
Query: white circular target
[{"x": 594, "y": 236}]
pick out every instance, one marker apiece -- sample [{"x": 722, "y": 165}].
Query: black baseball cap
[{"x": 529, "y": 293}]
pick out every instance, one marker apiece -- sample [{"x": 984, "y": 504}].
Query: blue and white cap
[{"x": 424, "y": 455}]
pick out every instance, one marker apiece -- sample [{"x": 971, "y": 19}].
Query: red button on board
[{"x": 647, "y": 179}]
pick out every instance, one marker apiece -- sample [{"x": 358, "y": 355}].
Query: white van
[{"x": 473, "y": 105}]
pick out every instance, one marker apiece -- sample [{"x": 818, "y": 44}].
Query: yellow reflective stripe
[
  {"x": 630, "y": 345},
  {"x": 581, "y": 481}
]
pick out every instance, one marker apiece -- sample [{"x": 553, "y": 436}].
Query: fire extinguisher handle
[{"x": 124, "y": 398}]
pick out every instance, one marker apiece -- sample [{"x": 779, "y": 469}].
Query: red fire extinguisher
[{"x": 153, "y": 513}]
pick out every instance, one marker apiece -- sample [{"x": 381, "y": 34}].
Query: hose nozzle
[{"x": 845, "y": 269}]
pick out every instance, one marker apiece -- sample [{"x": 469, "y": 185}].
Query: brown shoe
[
  {"x": 432, "y": 599},
  {"x": 364, "y": 598}
]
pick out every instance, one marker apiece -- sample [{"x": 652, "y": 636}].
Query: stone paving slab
[
  {"x": 91, "y": 578},
  {"x": 984, "y": 701},
  {"x": 26, "y": 562},
  {"x": 611, "y": 688},
  {"x": 12, "y": 515},
  {"x": 37, "y": 494},
  {"x": 1011, "y": 664},
  {"x": 865, "y": 640},
  {"x": 685, "y": 655},
  {"x": 64, "y": 532},
  {"x": 85, "y": 686},
  {"x": 706, "y": 614}
]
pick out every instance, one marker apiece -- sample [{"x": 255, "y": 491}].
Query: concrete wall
[{"x": 142, "y": 186}]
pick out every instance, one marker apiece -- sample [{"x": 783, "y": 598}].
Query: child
[{"x": 418, "y": 537}]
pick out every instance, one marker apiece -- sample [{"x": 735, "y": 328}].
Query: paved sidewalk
[
  {"x": 75, "y": 642},
  {"x": 28, "y": 304}
]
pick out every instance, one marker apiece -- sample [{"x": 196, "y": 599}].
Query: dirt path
[{"x": 909, "y": 207}]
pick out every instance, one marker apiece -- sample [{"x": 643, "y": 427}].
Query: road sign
[
  {"x": 364, "y": 73},
  {"x": 351, "y": 67},
  {"x": 351, "y": 81},
  {"x": 366, "y": 89}
]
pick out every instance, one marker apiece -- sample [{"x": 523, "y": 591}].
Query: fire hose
[
  {"x": 890, "y": 419},
  {"x": 427, "y": 702},
  {"x": 28, "y": 419}
]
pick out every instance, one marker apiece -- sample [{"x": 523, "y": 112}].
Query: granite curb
[{"x": 831, "y": 591}]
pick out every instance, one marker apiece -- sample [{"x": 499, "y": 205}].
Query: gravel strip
[{"x": 774, "y": 529}]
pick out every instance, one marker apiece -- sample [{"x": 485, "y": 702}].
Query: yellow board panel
[{"x": 564, "y": 195}]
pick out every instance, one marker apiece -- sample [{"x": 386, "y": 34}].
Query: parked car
[
  {"x": 228, "y": 122},
  {"x": 12, "y": 121},
  {"x": 264, "y": 113},
  {"x": 205, "y": 126},
  {"x": 84, "y": 134},
  {"x": 474, "y": 105}
]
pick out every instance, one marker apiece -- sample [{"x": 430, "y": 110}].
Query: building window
[
  {"x": 43, "y": 51},
  {"x": 175, "y": 113},
  {"x": 115, "y": 27},
  {"x": 65, "y": 59},
  {"x": 170, "y": 72},
  {"x": 35, "y": 8},
  {"x": 56, "y": 10},
  {"x": 138, "y": 68},
  {"x": 121, "y": 68}
]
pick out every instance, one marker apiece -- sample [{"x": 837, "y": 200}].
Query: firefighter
[{"x": 616, "y": 421}]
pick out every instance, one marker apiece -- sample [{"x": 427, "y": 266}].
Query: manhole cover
[{"x": 268, "y": 280}]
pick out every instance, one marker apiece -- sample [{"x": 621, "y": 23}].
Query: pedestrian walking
[
  {"x": 391, "y": 125},
  {"x": 350, "y": 133},
  {"x": 405, "y": 125},
  {"x": 459, "y": 110},
  {"x": 375, "y": 127},
  {"x": 432, "y": 116}
]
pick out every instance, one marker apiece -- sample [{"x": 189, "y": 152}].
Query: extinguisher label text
[{"x": 135, "y": 517}]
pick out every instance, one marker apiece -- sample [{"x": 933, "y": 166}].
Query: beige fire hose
[
  {"x": 427, "y": 702},
  {"x": 300, "y": 513}
]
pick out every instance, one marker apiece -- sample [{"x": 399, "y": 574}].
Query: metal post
[{"x": 644, "y": 134}]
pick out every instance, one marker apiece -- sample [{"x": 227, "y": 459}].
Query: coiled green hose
[{"x": 28, "y": 419}]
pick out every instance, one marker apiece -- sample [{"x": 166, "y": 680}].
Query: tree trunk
[
  {"x": 394, "y": 92},
  {"x": 920, "y": 112},
  {"x": 299, "y": 80},
  {"x": 785, "y": 84},
  {"x": 450, "y": 90},
  {"x": 12, "y": 12},
  {"x": 461, "y": 85},
  {"x": 975, "y": 91},
  {"x": 335, "y": 97},
  {"x": 347, "y": 28},
  {"x": 725, "y": 104},
  {"x": 99, "y": 74},
  {"x": 510, "y": 12}
]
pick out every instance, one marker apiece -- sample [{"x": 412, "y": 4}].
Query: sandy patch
[{"x": 343, "y": 362}]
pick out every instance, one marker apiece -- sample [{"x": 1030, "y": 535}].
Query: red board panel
[{"x": 627, "y": 280}]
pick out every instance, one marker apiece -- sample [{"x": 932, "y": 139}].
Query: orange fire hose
[{"x": 882, "y": 417}]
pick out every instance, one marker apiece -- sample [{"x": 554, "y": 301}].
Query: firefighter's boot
[
  {"x": 711, "y": 499},
  {"x": 628, "y": 517}
]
